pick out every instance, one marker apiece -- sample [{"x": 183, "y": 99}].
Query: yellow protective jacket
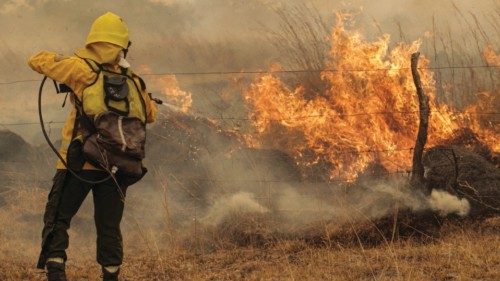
[{"x": 78, "y": 75}]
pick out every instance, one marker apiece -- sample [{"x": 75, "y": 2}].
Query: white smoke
[
  {"x": 445, "y": 203},
  {"x": 298, "y": 208},
  {"x": 241, "y": 202}
]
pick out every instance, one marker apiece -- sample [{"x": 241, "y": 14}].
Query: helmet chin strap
[
  {"x": 125, "y": 51},
  {"x": 122, "y": 61},
  {"x": 123, "y": 55}
]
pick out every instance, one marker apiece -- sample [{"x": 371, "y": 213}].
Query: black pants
[{"x": 65, "y": 199}]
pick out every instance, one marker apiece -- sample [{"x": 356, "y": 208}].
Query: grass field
[
  {"x": 463, "y": 254},
  {"x": 457, "y": 251}
]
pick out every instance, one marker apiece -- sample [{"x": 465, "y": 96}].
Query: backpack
[{"x": 110, "y": 127}]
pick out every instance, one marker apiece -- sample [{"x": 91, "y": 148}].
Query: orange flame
[
  {"x": 490, "y": 56},
  {"x": 169, "y": 87},
  {"x": 369, "y": 112}
]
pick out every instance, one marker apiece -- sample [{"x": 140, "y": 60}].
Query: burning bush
[{"x": 367, "y": 114}]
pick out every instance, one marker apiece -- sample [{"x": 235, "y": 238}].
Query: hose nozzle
[{"x": 157, "y": 100}]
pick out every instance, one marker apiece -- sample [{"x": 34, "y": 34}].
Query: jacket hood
[{"x": 100, "y": 52}]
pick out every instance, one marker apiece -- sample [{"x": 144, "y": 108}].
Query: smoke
[
  {"x": 446, "y": 203},
  {"x": 373, "y": 199},
  {"x": 241, "y": 203}
]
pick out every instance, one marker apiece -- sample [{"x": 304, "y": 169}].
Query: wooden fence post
[{"x": 417, "y": 176}]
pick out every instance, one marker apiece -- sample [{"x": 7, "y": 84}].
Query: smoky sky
[
  {"x": 203, "y": 35},
  {"x": 156, "y": 26}
]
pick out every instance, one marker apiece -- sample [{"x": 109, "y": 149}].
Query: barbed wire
[
  {"x": 348, "y": 115},
  {"x": 347, "y": 152},
  {"x": 19, "y": 81},
  {"x": 315, "y": 70},
  {"x": 270, "y": 181},
  {"x": 30, "y": 123},
  {"x": 204, "y": 115},
  {"x": 342, "y": 180},
  {"x": 232, "y": 72}
]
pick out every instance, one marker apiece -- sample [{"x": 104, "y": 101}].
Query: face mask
[{"x": 122, "y": 61}]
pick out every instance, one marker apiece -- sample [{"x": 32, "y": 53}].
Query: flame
[
  {"x": 170, "y": 89},
  {"x": 368, "y": 112},
  {"x": 490, "y": 56}
]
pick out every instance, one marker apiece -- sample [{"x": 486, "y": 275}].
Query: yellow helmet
[{"x": 109, "y": 28}]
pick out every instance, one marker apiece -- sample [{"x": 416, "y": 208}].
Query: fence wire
[
  {"x": 230, "y": 118},
  {"x": 253, "y": 72}
]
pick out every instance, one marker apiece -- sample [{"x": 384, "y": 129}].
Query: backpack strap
[
  {"x": 76, "y": 124},
  {"x": 126, "y": 71},
  {"x": 82, "y": 121},
  {"x": 96, "y": 67},
  {"x": 141, "y": 81},
  {"x": 140, "y": 90}
]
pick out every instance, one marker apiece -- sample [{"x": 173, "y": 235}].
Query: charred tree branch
[{"x": 417, "y": 176}]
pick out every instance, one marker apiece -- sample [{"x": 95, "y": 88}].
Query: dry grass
[
  {"x": 465, "y": 251},
  {"x": 463, "y": 254}
]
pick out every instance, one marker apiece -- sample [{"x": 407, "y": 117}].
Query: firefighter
[{"x": 103, "y": 88}]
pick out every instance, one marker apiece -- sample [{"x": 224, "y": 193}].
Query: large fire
[{"x": 369, "y": 112}]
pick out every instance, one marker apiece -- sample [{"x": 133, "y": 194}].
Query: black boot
[
  {"x": 56, "y": 271},
  {"x": 108, "y": 276}
]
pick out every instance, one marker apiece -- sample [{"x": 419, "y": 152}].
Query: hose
[{"x": 49, "y": 142}]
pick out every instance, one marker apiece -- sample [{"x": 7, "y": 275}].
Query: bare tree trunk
[{"x": 417, "y": 176}]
